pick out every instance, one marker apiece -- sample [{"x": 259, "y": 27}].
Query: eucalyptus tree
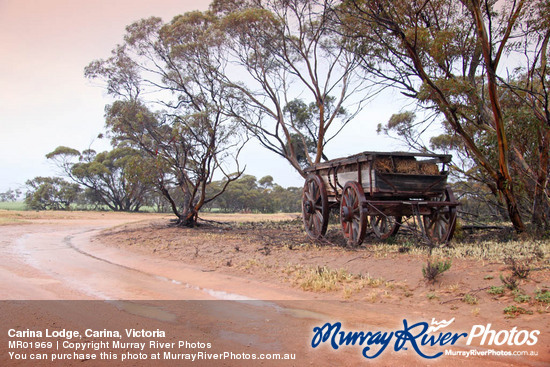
[
  {"x": 50, "y": 193},
  {"x": 169, "y": 105},
  {"x": 115, "y": 177},
  {"x": 454, "y": 58},
  {"x": 277, "y": 52},
  {"x": 10, "y": 195}
]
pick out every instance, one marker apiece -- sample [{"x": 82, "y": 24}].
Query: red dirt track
[{"x": 55, "y": 276}]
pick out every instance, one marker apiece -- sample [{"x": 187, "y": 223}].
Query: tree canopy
[
  {"x": 189, "y": 93},
  {"x": 170, "y": 107},
  {"x": 50, "y": 193},
  {"x": 450, "y": 56},
  {"x": 276, "y": 55},
  {"x": 117, "y": 178}
]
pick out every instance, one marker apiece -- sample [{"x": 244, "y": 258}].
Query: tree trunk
[
  {"x": 504, "y": 180},
  {"x": 541, "y": 201},
  {"x": 189, "y": 219}
]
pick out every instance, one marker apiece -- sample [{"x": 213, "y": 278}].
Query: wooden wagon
[{"x": 375, "y": 190}]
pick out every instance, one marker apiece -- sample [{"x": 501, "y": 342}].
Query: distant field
[
  {"x": 208, "y": 215},
  {"x": 16, "y": 205},
  {"x": 11, "y": 215}
]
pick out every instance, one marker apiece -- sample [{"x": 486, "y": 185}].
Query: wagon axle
[{"x": 309, "y": 207}]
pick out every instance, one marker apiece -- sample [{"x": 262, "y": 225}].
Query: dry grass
[
  {"x": 486, "y": 250},
  {"x": 324, "y": 279},
  {"x": 249, "y": 217},
  {"x": 10, "y": 220},
  {"x": 319, "y": 279}
]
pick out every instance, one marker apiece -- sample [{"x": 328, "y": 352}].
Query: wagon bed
[{"x": 375, "y": 190}]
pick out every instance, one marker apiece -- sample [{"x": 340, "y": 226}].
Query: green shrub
[
  {"x": 497, "y": 290},
  {"x": 514, "y": 311},
  {"x": 470, "y": 299},
  {"x": 434, "y": 268},
  {"x": 542, "y": 296},
  {"x": 522, "y": 298}
]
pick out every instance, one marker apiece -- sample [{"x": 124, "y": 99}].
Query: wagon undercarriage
[{"x": 379, "y": 191}]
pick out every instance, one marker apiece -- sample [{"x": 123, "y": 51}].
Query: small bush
[
  {"x": 510, "y": 282},
  {"x": 434, "y": 268},
  {"x": 514, "y": 311},
  {"x": 520, "y": 268},
  {"x": 542, "y": 296},
  {"x": 522, "y": 298},
  {"x": 497, "y": 290},
  {"x": 432, "y": 296},
  {"x": 470, "y": 299}
]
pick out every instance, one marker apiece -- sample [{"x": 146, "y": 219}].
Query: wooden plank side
[
  {"x": 395, "y": 182},
  {"x": 344, "y": 175},
  {"x": 369, "y": 156}
]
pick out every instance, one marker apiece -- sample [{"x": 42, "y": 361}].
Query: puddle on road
[
  {"x": 221, "y": 295},
  {"x": 138, "y": 309},
  {"x": 155, "y": 312}
]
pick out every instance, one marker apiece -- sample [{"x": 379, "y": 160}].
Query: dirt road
[{"x": 54, "y": 278}]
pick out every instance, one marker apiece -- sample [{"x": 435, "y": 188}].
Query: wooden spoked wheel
[
  {"x": 384, "y": 226},
  {"x": 441, "y": 223},
  {"x": 353, "y": 216},
  {"x": 315, "y": 209}
]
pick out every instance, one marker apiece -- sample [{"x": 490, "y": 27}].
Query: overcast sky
[{"x": 45, "y": 101}]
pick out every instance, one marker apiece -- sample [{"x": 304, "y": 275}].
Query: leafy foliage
[
  {"x": 50, "y": 193},
  {"x": 10, "y": 195},
  {"x": 496, "y": 290},
  {"x": 189, "y": 138},
  {"x": 542, "y": 296},
  {"x": 514, "y": 311},
  {"x": 114, "y": 178},
  {"x": 447, "y": 56},
  {"x": 249, "y": 195},
  {"x": 288, "y": 50}
]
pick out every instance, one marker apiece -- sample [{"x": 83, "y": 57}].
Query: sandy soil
[{"x": 141, "y": 257}]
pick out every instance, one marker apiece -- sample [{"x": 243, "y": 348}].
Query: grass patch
[
  {"x": 514, "y": 311},
  {"x": 496, "y": 290},
  {"x": 470, "y": 299},
  {"x": 322, "y": 279},
  {"x": 9, "y": 220},
  {"x": 522, "y": 298},
  {"x": 523, "y": 251},
  {"x": 432, "y": 295},
  {"x": 542, "y": 296},
  {"x": 13, "y": 205},
  {"x": 493, "y": 250}
]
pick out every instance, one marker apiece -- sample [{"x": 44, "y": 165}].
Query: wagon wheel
[
  {"x": 353, "y": 216},
  {"x": 384, "y": 226},
  {"x": 441, "y": 223},
  {"x": 315, "y": 208}
]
